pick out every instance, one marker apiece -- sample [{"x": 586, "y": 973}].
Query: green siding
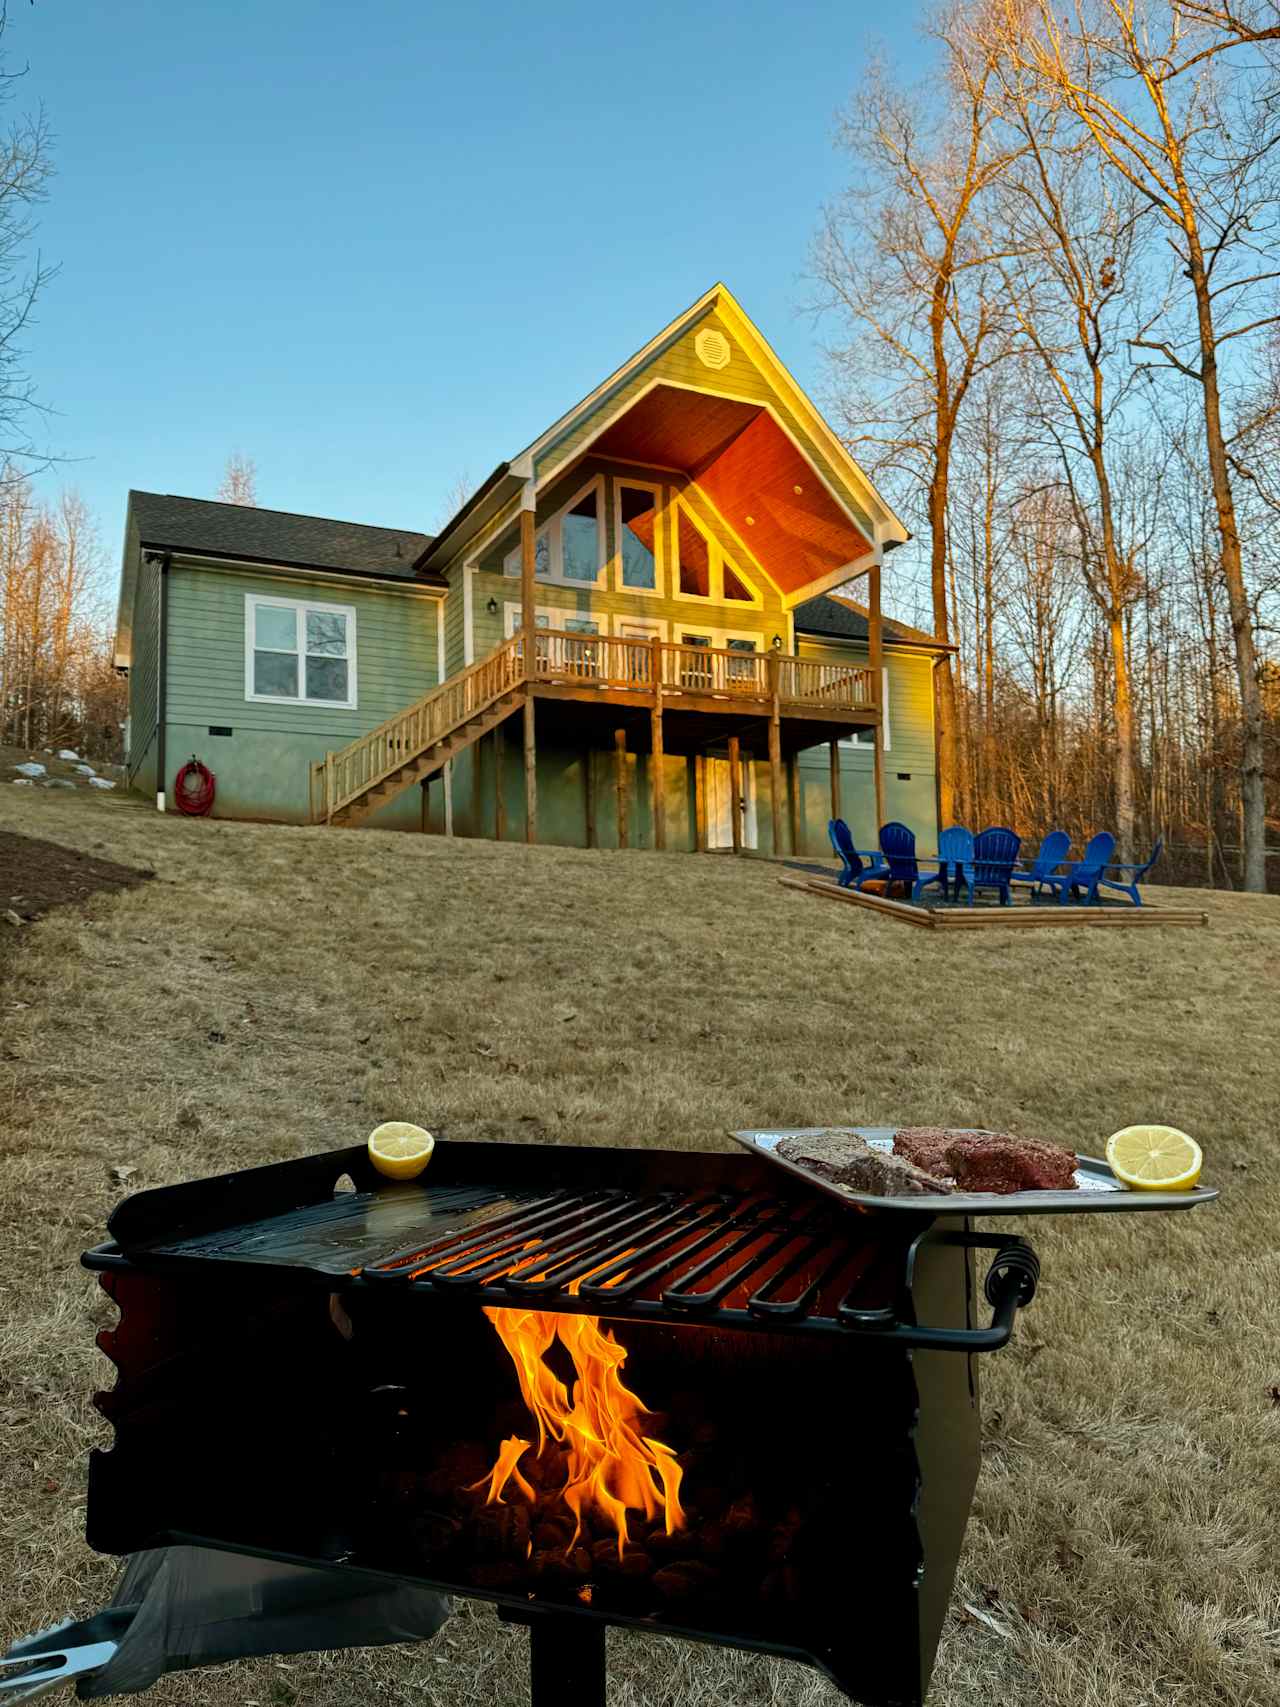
[
  {"x": 143, "y": 670},
  {"x": 262, "y": 767},
  {"x": 454, "y": 622}
]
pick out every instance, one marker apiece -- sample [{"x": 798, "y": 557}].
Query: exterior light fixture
[
  {"x": 777, "y": 643},
  {"x": 492, "y": 607}
]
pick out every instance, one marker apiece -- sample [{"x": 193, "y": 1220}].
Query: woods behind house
[
  {"x": 58, "y": 686},
  {"x": 1055, "y": 280}
]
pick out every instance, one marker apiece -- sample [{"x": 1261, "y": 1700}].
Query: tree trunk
[{"x": 1253, "y": 809}]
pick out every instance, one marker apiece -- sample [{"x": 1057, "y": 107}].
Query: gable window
[
  {"x": 298, "y": 652},
  {"x": 695, "y": 557},
  {"x": 570, "y": 547},
  {"x": 580, "y": 539},
  {"x": 638, "y": 536},
  {"x": 703, "y": 570},
  {"x": 511, "y": 564}
]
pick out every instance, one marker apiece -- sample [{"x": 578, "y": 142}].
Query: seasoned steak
[
  {"x": 987, "y": 1161},
  {"x": 843, "y": 1158}
]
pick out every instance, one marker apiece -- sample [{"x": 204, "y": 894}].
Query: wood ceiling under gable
[{"x": 751, "y": 471}]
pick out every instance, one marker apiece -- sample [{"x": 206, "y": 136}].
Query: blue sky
[{"x": 380, "y": 246}]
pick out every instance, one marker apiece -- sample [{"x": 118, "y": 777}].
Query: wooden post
[
  {"x": 835, "y": 780},
  {"x": 876, "y": 632},
  {"x": 499, "y": 798},
  {"x": 530, "y": 767},
  {"x": 775, "y": 756},
  {"x": 425, "y": 786},
  {"x": 657, "y": 802},
  {"x": 448, "y": 797},
  {"x": 620, "y": 780},
  {"x": 528, "y": 567},
  {"x": 793, "y": 800},
  {"x": 589, "y": 768},
  {"x": 700, "y": 803},
  {"x": 735, "y": 793}
]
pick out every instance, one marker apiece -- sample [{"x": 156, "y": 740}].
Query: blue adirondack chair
[
  {"x": 1139, "y": 872},
  {"x": 995, "y": 853},
  {"x": 955, "y": 848},
  {"x": 852, "y": 869},
  {"x": 898, "y": 845},
  {"x": 1086, "y": 871},
  {"x": 1053, "y": 850}
]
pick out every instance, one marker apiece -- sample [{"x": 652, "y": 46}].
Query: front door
[{"x": 720, "y": 804}]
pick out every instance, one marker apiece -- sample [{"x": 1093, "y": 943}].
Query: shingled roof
[
  {"x": 832, "y": 616},
  {"x": 168, "y": 523}
]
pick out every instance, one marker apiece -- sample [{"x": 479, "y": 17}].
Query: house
[{"x": 681, "y": 545}]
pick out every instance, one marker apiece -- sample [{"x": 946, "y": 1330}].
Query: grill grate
[{"x": 737, "y": 1257}]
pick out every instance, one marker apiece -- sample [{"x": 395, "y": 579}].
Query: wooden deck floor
[{"x": 1023, "y": 916}]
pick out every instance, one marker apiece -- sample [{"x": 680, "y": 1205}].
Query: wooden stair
[{"x": 415, "y": 744}]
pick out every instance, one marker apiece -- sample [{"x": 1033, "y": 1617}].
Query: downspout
[{"x": 162, "y": 671}]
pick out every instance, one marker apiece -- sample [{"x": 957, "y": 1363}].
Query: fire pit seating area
[{"x": 988, "y": 861}]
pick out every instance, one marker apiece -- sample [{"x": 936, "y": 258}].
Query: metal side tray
[{"x": 1097, "y": 1188}]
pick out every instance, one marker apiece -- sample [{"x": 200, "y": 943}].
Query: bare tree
[
  {"x": 1073, "y": 276},
  {"x": 25, "y": 169},
  {"x": 1142, "y": 79},
  {"x": 905, "y": 258},
  {"x": 239, "y": 481}
]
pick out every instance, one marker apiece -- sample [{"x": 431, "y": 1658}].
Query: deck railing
[
  {"x": 341, "y": 777},
  {"x": 612, "y": 661}
]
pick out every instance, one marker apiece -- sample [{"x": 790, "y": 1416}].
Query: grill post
[{"x": 566, "y": 1658}]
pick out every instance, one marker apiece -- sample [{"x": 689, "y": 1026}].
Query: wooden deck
[
  {"x": 1023, "y": 917},
  {"x": 622, "y": 671}
]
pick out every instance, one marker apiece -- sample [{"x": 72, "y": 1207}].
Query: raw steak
[
  {"x": 846, "y": 1160},
  {"x": 987, "y": 1161}
]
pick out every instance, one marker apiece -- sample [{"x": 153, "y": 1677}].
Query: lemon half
[
  {"x": 1154, "y": 1158},
  {"x": 399, "y": 1149}
]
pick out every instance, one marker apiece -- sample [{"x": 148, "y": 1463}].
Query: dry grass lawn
[{"x": 276, "y": 991}]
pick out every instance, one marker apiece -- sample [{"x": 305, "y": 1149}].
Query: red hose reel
[{"x": 194, "y": 788}]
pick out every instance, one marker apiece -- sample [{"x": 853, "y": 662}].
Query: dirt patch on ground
[{"x": 36, "y": 875}]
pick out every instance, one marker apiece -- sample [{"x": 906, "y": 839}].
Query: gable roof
[
  {"x": 834, "y": 616},
  {"x": 867, "y": 520},
  {"x": 169, "y": 523}
]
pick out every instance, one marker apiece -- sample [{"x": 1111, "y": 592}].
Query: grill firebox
[{"x": 311, "y": 1373}]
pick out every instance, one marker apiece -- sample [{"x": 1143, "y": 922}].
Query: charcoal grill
[{"x": 307, "y": 1372}]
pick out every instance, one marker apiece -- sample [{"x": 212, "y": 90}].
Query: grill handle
[{"x": 1010, "y": 1286}]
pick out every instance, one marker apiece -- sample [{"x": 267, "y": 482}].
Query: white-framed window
[
  {"x": 703, "y": 569},
  {"x": 569, "y": 549},
  {"x": 867, "y": 737},
  {"x": 637, "y": 519},
  {"x": 299, "y": 652}
]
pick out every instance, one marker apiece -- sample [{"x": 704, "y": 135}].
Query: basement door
[{"x": 720, "y": 803}]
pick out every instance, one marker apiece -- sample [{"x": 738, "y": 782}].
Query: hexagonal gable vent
[{"x": 712, "y": 347}]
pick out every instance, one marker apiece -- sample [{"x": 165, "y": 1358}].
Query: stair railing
[{"x": 342, "y": 777}]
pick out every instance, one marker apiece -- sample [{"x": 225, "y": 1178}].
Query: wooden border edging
[{"x": 999, "y": 918}]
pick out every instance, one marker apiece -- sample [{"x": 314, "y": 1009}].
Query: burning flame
[{"x": 612, "y": 1466}]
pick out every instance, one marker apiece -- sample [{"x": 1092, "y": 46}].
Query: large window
[
  {"x": 570, "y": 547},
  {"x": 703, "y": 569},
  {"x": 638, "y": 537},
  {"x": 580, "y": 539},
  {"x": 695, "y": 556},
  {"x": 299, "y": 653}
]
